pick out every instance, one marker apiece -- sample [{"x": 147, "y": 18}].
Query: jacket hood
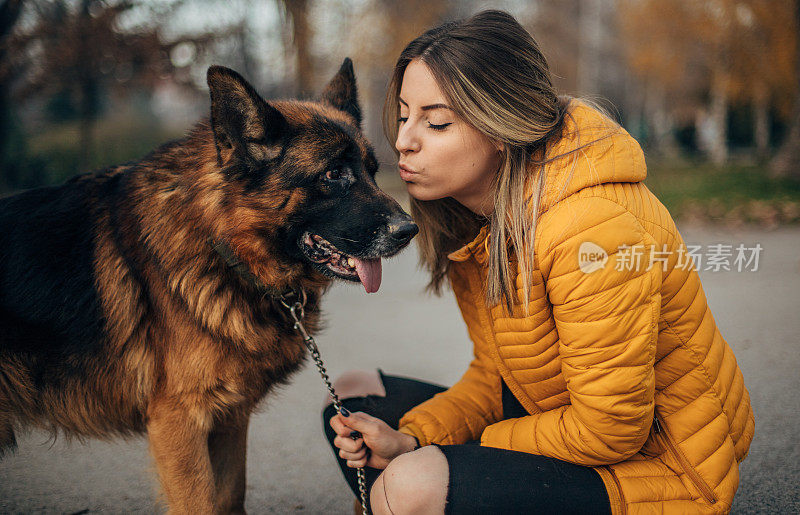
[{"x": 610, "y": 155}]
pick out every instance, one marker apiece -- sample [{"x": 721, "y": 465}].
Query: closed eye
[{"x": 438, "y": 127}]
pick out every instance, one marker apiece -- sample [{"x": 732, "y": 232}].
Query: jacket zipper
[{"x": 698, "y": 481}]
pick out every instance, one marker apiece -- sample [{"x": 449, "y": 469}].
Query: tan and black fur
[{"x": 116, "y": 315}]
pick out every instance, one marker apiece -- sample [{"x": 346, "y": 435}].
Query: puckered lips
[{"x": 322, "y": 252}]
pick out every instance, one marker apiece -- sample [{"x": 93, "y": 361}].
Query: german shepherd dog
[{"x": 147, "y": 297}]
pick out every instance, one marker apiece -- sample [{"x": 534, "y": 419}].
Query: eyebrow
[{"x": 428, "y": 107}]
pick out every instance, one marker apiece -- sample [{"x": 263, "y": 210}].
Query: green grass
[
  {"x": 730, "y": 193},
  {"x": 115, "y": 142}
]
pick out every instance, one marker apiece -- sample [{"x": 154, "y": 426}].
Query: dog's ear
[
  {"x": 242, "y": 121},
  {"x": 341, "y": 91}
]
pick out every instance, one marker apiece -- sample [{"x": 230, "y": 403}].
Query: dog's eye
[{"x": 333, "y": 175}]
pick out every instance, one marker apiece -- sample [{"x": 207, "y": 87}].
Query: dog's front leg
[
  {"x": 179, "y": 443},
  {"x": 227, "y": 445}
]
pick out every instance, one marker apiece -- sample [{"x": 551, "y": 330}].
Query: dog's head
[{"x": 307, "y": 174}]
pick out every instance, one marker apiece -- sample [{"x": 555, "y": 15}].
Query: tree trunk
[
  {"x": 761, "y": 120},
  {"x": 660, "y": 122},
  {"x": 787, "y": 161},
  {"x": 86, "y": 138},
  {"x": 9, "y": 14},
  {"x": 89, "y": 95},
  {"x": 8, "y": 175},
  {"x": 718, "y": 144},
  {"x": 301, "y": 39},
  {"x": 249, "y": 67},
  {"x": 589, "y": 42}
]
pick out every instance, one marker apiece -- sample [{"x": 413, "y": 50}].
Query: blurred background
[{"x": 709, "y": 88}]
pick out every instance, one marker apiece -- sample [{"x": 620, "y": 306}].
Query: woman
[{"x": 609, "y": 389}]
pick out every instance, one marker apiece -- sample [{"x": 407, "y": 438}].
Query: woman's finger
[
  {"x": 352, "y": 456},
  {"x": 348, "y": 444},
  {"x": 361, "y": 422},
  {"x": 338, "y": 427},
  {"x": 357, "y": 463}
]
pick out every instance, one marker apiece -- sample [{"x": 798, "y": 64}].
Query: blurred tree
[
  {"x": 661, "y": 43},
  {"x": 81, "y": 51},
  {"x": 704, "y": 56},
  {"x": 552, "y": 24},
  {"x": 10, "y": 11},
  {"x": 591, "y": 37},
  {"x": 787, "y": 160},
  {"x": 579, "y": 38},
  {"x": 296, "y": 12},
  {"x": 249, "y": 67},
  {"x": 376, "y": 34},
  {"x": 762, "y": 64}
]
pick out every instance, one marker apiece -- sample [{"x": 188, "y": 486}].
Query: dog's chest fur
[
  {"x": 215, "y": 347},
  {"x": 219, "y": 374}
]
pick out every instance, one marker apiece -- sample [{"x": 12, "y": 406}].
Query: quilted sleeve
[
  {"x": 606, "y": 308},
  {"x": 463, "y": 411}
]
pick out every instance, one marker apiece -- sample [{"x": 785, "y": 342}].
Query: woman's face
[{"x": 440, "y": 154}]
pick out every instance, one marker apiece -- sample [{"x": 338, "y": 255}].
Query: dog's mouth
[{"x": 322, "y": 253}]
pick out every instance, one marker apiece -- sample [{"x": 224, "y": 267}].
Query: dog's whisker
[{"x": 346, "y": 239}]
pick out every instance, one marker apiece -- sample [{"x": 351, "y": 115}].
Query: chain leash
[{"x": 297, "y": 313}]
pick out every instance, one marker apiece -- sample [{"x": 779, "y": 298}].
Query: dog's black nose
[{"x": 403, "y": 230}]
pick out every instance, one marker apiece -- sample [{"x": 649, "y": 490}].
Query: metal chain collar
[{"x": 296, "y": 311}]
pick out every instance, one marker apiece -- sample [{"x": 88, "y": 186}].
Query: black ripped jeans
[{"x": 483, "y": 479}]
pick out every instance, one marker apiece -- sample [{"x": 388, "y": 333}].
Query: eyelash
[
  {"x": 431, "y": 125},
  {"x": 438, "y": 127}
]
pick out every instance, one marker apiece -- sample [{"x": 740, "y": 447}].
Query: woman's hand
[{"x": 383, "y": 443}]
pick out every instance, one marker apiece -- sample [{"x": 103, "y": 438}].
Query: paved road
[{"x": 402, "y": 331}]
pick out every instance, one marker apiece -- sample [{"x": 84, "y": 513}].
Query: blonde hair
[{"x": 496, "y": 79}]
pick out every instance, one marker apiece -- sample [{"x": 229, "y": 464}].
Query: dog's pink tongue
[{"x": 369, "y": 271}]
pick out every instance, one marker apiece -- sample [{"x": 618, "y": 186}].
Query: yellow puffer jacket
[{"x": 620, "y": 367}]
